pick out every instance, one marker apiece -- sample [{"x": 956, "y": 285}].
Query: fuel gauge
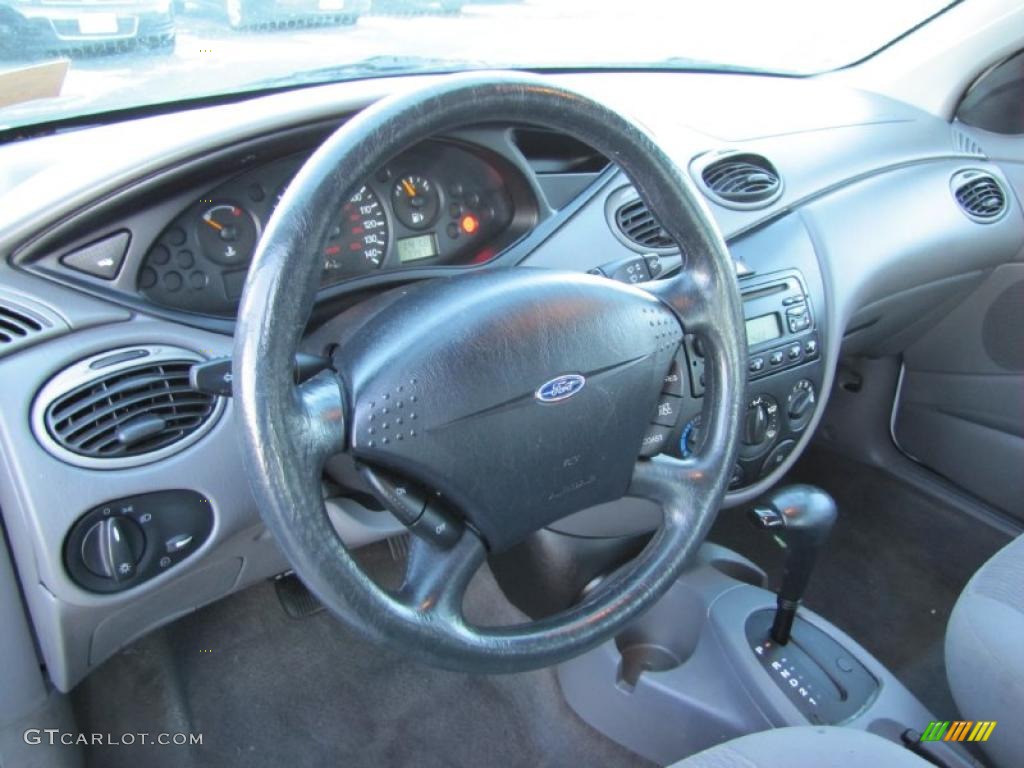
[
  {"x": 228, "y": 234},
  {"x": 416, "y": 202}
]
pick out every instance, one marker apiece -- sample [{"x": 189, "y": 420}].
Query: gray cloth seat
[
  {"x": 806, "y": 747},
  {"x": 985, "y": 652}
]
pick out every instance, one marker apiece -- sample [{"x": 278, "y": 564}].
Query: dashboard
[{"x": 130, "y": 259}]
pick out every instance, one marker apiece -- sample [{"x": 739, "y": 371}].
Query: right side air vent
[
  {"x": 742, "y": 180},
  {"x": 980, "y": 195}
]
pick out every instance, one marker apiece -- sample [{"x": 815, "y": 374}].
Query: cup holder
[{"x": 661, "y": 639}]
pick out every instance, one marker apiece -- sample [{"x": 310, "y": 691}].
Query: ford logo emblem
[{"x": 560, "y": 388}]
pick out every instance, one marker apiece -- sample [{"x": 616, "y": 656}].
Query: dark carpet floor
[
  {"x": 268, "y": 690},
  {"x": 891, "y": 571}
]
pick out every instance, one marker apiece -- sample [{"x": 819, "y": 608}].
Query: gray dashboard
[{"x": 866, "y": 218}]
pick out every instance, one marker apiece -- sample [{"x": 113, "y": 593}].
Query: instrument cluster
[{"x": 440, "y": 203}]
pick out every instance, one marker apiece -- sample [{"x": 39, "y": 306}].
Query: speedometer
[{"x": 358, "y": 242}]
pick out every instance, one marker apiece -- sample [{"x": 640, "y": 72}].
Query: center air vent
[
  {"x": 980, "y": 195},
  {"x": 638, "y": 225},
  {"x": 123, "y": 408},
  {"x": 742, "y": 180}
]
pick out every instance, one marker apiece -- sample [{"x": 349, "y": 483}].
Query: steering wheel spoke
[
  {"x": 320, "y": 418},
  {"x": 436, "y": 578}
]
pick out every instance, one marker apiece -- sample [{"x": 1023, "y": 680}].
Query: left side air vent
[
  {"x": 124, "y": 408},
  {"x": 979, "y": 195},
  {"x": 636, "y": 222}
]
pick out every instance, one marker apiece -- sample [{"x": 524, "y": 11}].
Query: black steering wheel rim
[{"x": 287, "y": 432}]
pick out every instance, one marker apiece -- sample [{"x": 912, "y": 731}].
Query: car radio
[{"x": 779, "y": 326}]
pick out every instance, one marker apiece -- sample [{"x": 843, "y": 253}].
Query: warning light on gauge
[{"x": 469, "y": 224}]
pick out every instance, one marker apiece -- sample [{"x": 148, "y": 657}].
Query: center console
[
  {"x": 719, "y": 656},
  {"x": 694, "y": 672},
  {"x": 784, "y": 377}
]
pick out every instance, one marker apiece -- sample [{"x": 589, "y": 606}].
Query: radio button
[
  {"x": 798, "y": 320},
  {"x": 794, "y": 351},
  {"x": 811, "y": 347},
  {"x": 756, "y": 364},
  {"x": 775, "y": 358}
]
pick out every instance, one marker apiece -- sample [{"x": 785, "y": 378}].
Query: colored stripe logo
[{"x": 958, "y": 730}]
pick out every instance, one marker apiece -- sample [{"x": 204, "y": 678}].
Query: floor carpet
[{"x": 265, "y": 689}]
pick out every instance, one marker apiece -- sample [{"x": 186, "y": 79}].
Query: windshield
[{"x": 68, "y": 58}]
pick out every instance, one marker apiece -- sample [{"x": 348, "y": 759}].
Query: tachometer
[{"x": 358, "y": 241}]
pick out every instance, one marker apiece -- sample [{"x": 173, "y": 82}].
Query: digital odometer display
[
  {"x": 762, "y": 329},
  {"x": 358, "y": 242},
  {"x": 416, "y": 248}
]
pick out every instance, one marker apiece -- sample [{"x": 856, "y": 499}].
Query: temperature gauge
[
  {"x": 416, "y": 202},
  {"x": 228, "y": 234}
]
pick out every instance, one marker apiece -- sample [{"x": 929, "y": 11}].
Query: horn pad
[{"x": 521, "y": 395}]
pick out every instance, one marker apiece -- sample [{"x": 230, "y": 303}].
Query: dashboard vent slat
[
  {"x": 965, "y": 143},
  {"x": 979, "y": 195},
  {"x": 16, "y": 325},
  {"x": 741, "y": 180},
  {"x": 638, "y": 225},
  {"x": 102, "y": 418}
]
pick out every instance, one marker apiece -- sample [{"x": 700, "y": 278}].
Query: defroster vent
[{"x": 24, "y": 322}]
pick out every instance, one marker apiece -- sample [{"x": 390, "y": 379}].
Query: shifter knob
[{"x": 801, "y": 516}]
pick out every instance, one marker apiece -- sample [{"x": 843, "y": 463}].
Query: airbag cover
[{"x": 472, "y": 386}]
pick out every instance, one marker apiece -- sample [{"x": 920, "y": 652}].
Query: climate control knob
[
  {"x": 800, "y": 404},
  {"x": 760, "y": 425}
]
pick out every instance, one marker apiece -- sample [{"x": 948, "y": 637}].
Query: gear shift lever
[{"x": 801, "y": 517}]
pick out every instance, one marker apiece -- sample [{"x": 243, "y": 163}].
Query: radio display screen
[{"x": 763, "y": 328}]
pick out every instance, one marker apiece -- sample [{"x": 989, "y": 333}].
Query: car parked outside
[
  {"x": 245, "y": 14},
  {"x": 33, "y": 27}
]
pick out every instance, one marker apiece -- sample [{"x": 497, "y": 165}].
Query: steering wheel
[{"x": 515, "y": 395}]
